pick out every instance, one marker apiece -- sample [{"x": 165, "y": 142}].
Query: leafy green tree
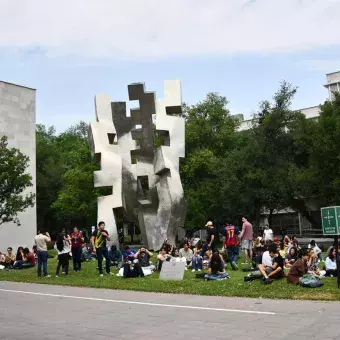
[
  {"x": 65, "y": 178},
  {"x": 13, "y": 182},
  {"x": 210, "y": 132}
]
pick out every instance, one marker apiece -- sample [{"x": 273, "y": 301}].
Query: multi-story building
[
  {"x": 17, "y": 122},
  {"x": 295, "y": 222}
]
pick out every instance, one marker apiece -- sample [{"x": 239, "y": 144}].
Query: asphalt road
[{"x": 31, "y": 311}]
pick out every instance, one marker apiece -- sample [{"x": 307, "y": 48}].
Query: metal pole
[{"x": 337, "y": 257}]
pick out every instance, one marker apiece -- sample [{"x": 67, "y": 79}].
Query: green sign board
[{"x": 330, "y": 217}]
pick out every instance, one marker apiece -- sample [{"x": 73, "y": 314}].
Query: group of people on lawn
[{"x": 269, "y": 258}]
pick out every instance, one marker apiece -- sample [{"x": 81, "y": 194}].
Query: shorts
[{"x": 247, "y": 244}]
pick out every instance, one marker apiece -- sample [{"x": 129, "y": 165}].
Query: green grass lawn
[{"x": 190, "y": 285}]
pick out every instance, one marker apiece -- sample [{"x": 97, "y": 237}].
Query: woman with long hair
[
  {"x": 331, "y": 269},
  {"x": 216, "y": 269},
  {"x": 63, "y": 246},
  {"x": 291, "y": 257}
]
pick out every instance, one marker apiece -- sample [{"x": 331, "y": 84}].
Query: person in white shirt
[
  {"x": 268, "y": 234},
  {"x": 41, "y": 241},
  {"x": 317, "y": 250},
  {"x": 331, "y": 263},
  {"x": 266, "y": 259},
  {"x": 187, "y": 253}
]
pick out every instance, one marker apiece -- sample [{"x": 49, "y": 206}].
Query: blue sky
[{"x": 241, "y": 49}]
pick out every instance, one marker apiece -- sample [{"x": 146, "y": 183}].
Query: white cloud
[{"x": 152, "y": 29}]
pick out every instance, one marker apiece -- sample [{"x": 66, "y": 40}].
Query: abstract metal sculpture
[{"x": 144, "y": 177}]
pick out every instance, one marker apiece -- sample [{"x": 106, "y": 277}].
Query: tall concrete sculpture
[{"x": 145, "y": 180}]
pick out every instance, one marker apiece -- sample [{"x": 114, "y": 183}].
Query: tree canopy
[{"x": 14, "y": 180}]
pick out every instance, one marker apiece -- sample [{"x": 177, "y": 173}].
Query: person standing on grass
[
  {"x": 41, "y": 241},
  {"x": 231, "y": 244},
  {"x": 268, "y": 234},
  {"x": 246, "y": 238},
  {"x": 98, "y": 240},
  {"x": 63, "y": 247},
  {"x": 211, "y": 242},
  {"x": 77, "y": 240}
]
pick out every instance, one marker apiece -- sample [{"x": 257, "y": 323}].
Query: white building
[
  {"x": 17, "y": 122},
  {"x": 295, "y": 222}
]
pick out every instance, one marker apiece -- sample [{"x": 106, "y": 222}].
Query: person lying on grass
[{"x": 269, "y": 272}]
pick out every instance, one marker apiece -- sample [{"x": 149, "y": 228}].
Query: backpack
[{"x": 310, "y": 281}]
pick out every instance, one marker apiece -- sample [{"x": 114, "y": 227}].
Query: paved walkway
[{"x": 31, "y": 311}]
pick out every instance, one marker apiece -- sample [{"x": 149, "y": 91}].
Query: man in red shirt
[
  {"x": 231, "y": 243},
  {"x": 77, "y": 241}
]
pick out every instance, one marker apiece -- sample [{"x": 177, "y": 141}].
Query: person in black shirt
[
  {"x": 212, "y": 239},
  {"x": 143, "y": 256},
  {"x": 98, "y": 241},
  {"x": 276, "y": 270}
]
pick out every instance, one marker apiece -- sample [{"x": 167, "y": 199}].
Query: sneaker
[
  {"x": 199, "y": 270},
  {"x": 234, "y": 265},
  {"x": 267, "y": 281},
  {"x": 101, "y": 275},
  {"x": 110, "y": 273},
  {"x": 245, "y": 263},
  {"x": 247, "y": 279},
  {"x": 47, "y": 276},
  {"x": 57, "y": 276},
  {"x": 193, "y": 270},
  {"x": 186, "y": 268}
]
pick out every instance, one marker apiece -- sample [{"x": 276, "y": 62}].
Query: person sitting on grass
[
  {"x": 129, "y": 253},
  {"x": 291, "y": 257},
  {"x": 115, "y": 256},
  {"x": 163, "y": 256},
  {"x": 175, "y": 257},
  {"x": 197, "y": 260},
  {"x": 313, "y": 264},
  {"x": 318, "y": 252},
  {"x": 86, "y": 253},
  {"x": 186, "y": 253},
  {"x": 167, "y": 245},
  {"x": 2, "y": 258},
  {"x": 135, "y": 271},
  {"x": 331, "y": 269},
  {"x": 269, "y": 272},
  {"x": 143, "y": 256},
  {"x": 283, "y": 250},
  {"x": 9, "y": 258},
  {"x": 27, "y": 261},
  {"x": 216, "y": 270},
  {"x": 298, "y": 268}
]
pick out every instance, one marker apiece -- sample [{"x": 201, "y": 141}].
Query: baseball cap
[{"x": 209, "y": 223}]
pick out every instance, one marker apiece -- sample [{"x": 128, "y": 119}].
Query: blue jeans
[
  {"x": 215, "y": 277},
  {"x": 42, "y": 261},
  {"x": 233, "y": 253},
  {"x": 197, "y": 262},
  {"x": 103, "y": 252}
]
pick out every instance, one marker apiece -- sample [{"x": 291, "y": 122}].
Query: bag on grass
[{"x": 310, "y": 281}]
